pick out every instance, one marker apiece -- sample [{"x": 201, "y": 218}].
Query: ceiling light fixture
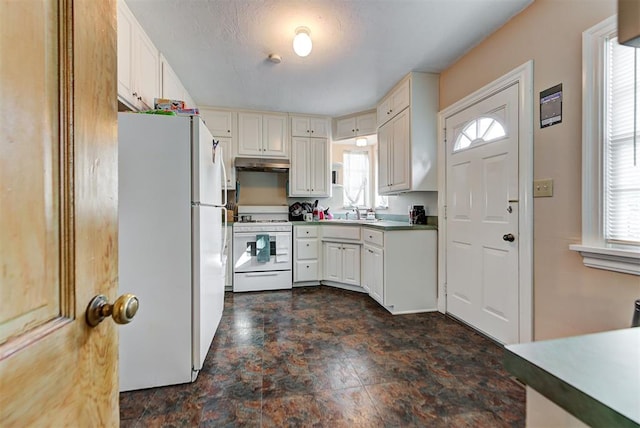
[
  {"x": 361, "y": 142},
  {"x": 302, "y": 42}
]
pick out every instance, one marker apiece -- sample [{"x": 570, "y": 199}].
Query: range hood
[{"x": 261, "y": 164}]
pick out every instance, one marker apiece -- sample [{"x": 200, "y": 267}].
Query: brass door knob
[{"x": 122, "y": 311}]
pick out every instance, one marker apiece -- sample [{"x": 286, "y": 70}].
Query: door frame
[{"x": 523, "y": 75}]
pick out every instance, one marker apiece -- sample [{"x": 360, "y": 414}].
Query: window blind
[
  {"x": 356, "y": 178},
  {"x": 622, "y": 139}
]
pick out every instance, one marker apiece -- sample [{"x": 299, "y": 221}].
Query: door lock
[{"x": 508, "y": 237}]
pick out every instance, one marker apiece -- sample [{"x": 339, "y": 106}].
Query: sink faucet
[{"x": 357, "y": 211}]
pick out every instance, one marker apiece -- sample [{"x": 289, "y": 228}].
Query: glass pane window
[
  {"x": 621, "y": 165},
  {"x": 479, "y": 131},
  {"x": 356, "y": 178}
]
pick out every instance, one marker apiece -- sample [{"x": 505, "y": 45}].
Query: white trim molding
[
  {"x": 523, "y": 76},
  {"x": 614, "y": 259},
  {"x": 596, "y": 253}
]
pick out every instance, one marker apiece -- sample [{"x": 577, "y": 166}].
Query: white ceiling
[{"x": 361, "y": 48}]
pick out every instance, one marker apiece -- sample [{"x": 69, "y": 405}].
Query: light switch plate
[{"x": 543, "y": 188}]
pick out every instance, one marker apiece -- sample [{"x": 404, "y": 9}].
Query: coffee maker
[{"x": 417, "y": 214}]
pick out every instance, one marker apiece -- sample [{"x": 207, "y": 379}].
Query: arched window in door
[{"x": 481, "y": 130}]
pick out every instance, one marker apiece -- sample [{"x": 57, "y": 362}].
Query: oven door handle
[{"x": 261, "y": 274}]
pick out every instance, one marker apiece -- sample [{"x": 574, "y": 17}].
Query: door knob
[
  {"x": 122, "y": 311},
  {"x": 509, "y": 237}
]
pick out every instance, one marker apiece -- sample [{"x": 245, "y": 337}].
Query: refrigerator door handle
[
  {"x": 224, "y": 182},
  {"x": 224, "y": 242}
]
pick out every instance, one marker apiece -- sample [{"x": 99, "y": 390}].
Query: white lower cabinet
[
  {"x": 373, "y": 271},
  {"x": 341, "y": 263},
  {"x": 400, "y": 269},
  {"x": 306, "y": 254}
]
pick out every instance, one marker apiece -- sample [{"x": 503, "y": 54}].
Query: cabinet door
[
  {"x": 171, "y": 86},
  {"x": 319, "y": 166},
  {"x": 319, "y": 127},
  {"x": 274, "y": 136},
  {"x": 400, "y": 98},
  {"x": 219, "y": 122},
  {"x": 366, "y": 124},
  {"x": 147, "y": 70},
  {"x": 351, "y": 264},
  {"x": 384, "y": 140},
  {"x": 345, "y": 128},
  {"x": 299, "y": 168},
  {"x": 375, "y": 257},
  {"x": 400, "y": 153},
  {"x": 366, "y": 269},
  {"x": 300, "y": 126},
  {"x": 383, "y": 111},
  {"x": 332, "y": 262},
  {"x": 249, "y": 134},
  {"x": 228, "y": 156},
  {"x": 126, "y": 28}
]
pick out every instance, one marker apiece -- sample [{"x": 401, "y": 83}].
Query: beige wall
[{"x": 569, "y": 298}]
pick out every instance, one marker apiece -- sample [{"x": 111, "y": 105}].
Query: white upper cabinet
[
  {"x": 262, "y": 135},
  {"x": 172, "y": 87},
  {"x": 309, "y": 171},
  {"x": 309, "y": 126},
  {"x": 222, "y": 124},
  {"x": 407, "y": 140},
  {"x": 393, "y": 103},
  {"x": 355, "y": 126},
  {"x": 138, "y": 63}
]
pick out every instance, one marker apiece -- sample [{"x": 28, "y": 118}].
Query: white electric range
[{"x": 262, "y": 248}]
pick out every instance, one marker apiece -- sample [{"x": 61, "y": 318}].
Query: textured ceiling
[{"x": 361, "y": 48}]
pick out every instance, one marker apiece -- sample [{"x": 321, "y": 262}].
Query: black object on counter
[{"x": 635, "y": 321}]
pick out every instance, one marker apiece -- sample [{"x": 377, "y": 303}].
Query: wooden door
[
  {"x": 58, "y": 215},
  {"x": 482, "y": 221}
]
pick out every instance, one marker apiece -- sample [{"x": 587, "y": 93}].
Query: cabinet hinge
[{"x": 445, "y": 212}]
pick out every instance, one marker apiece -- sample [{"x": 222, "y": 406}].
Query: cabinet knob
[
  {"x": 353, "y": 130},
  {"x": 307, "y": 131},
  {"x": 307, "y": 245},
  {"x": 139, "y": 98},
  {"x": 307, "y": 233},
  {"x": 307, "y": 266},
  {"x": 312, "y": 131},
  {"x": 228, "y": 130},
  {"x": 135, "y": 94}
]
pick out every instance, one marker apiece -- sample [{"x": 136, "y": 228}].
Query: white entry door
[{"x": 482, "y": 215}]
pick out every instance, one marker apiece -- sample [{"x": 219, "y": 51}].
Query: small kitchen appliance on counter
[
  {"x": 262, "y": 248},
  {"x": 417, "y": 214}
]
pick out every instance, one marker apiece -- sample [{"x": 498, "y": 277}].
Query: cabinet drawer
[
  {"x": 374, "y": 237},
  {"x": 306, "y": 231},
  {"x": 306, "y": 249},
  {"x": 305, "y": 271},
  {"x": 341, "y": 232}
]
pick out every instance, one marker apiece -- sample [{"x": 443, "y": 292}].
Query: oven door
[{"x": 245, "y": 252}]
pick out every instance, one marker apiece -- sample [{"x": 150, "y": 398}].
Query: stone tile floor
[{"x": 324, "y": 357}]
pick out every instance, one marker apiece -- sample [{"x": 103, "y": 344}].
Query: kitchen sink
[{"x": 351, "y": 220}]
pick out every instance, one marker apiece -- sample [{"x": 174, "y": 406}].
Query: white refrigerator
[{"x": 170, "y": 246}]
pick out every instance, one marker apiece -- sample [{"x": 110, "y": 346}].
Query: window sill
[{"x": 614, "y": 259}]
